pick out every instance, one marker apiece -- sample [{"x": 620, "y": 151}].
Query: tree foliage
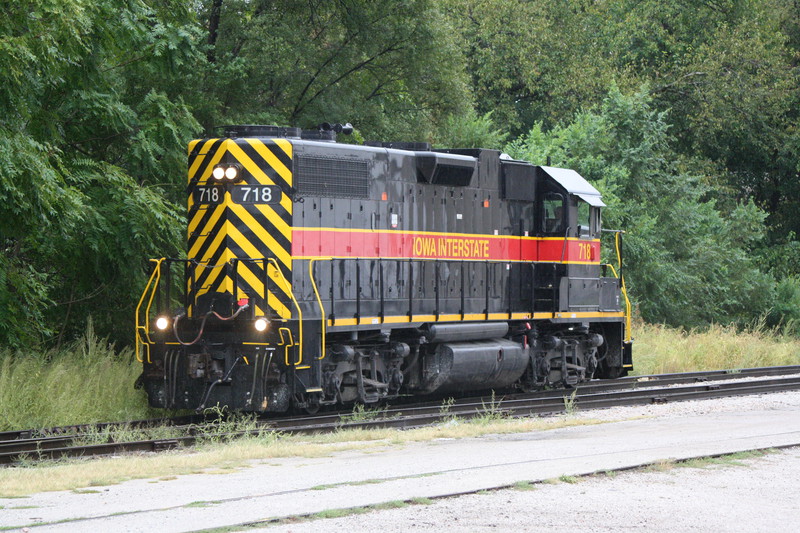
[
  {"x": 688, "y": 262},
  {"x": 530, "y": 61},
  {"x": 88, "y": 134},
  {"x": 684, "y": 112},
  {"x": 390, "y": 67}
]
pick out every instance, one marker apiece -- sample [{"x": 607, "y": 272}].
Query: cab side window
[
  {"x": 588, "y": 221},
  {"x": 553, "y": 213},
  {"x": 584, "y": 219},
  {"x": 596, "y": 224}
]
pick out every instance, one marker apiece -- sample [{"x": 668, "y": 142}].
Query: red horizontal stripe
[{"x": 325, "y": 242}]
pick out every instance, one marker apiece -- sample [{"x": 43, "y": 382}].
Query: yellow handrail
[
  {"x": 140, "y": 342},
  {"x": 288, "y": 290},
  {"x": 323, "y": 316},
  {"x": 623, "y": 289},
  {"x": 286, "y": 345}
]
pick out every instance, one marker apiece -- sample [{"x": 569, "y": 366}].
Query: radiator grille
[{"x": 330, "y": 176}]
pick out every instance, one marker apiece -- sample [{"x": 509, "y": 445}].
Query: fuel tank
[{"x": 473, "y": 365}]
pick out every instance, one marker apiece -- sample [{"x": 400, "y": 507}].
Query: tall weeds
[
  {"x": 85, "y": 382},
  {"x": 659, "y": 349},
  {"x": 89, "y": 381}
]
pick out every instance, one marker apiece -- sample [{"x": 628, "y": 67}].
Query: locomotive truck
[{"x": 324, "y": 273}]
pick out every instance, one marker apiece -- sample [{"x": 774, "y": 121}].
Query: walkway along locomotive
[{"x": 322, "y": 273}]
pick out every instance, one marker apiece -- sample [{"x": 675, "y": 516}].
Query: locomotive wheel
[
  {"x": 312, "y": 409},
  {"x": 310, "y": 403}
]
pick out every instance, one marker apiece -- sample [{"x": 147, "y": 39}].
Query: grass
[
  {"x": 362, "y": 413},
  {"x": 350, "y": 511},
  {"x": 728, "y": 460},
  {"x": 658, "y": 349},
  {"x": 490, "y": 412},
  {"x": 523, "y": 485},
  {"x": 127, "y": 433},
  {"x": 571, "y": 403},
  {"x": 215, "y": 455},
  {"x": 89, "y": 381},
  {"x": 444, "y": 410},
  {"x": 85, "y": 382},
  {"x": 201, "y": 504}
]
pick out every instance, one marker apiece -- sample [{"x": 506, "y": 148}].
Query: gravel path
[
  {"x": 758, "y": 495},
  {"x": 749, "y": 495}
]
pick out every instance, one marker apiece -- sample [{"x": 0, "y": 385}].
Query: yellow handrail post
[
  {"x": 288, "y": 290},
  {"x": 623, "y": 289},
  {"x": 151, "y": 287},
  {"x": 286, "y": 343},
  {"x": 323, "y": 316}
]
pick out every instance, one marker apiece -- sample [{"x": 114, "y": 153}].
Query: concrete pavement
[{"x": 297, "y": 486}]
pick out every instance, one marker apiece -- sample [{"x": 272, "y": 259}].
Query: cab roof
[{"x": 575, "y": 184}]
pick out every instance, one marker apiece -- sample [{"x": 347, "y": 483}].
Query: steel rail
[
  {"x": 521, "y": 407},
  {"x": 83, "y": 429},
  {"x": 593, "y": 395},
  {"x": 79, "y": 430},
  {"x": 591, "y": 387}
]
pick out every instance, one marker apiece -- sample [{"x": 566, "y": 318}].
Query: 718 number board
[{"x": 240, "y": 194}]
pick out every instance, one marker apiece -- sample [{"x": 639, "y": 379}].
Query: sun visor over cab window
[
  {"x": 591, "y": 199},
  {"x": 575, "y": 184}
]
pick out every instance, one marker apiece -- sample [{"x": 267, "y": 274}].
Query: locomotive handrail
[
  {"x": 266, "y": 309},
  {"x": 140, "y": 342},
  {"x": 518, "y": 305},
  {"x": 288, "y": 343},
  {"x": 188, "y": 278},
  {"x": 486, "y": 278},
  {"x": 623, "y": 289},
  {"x": 564, "y": 243},
  {"x": 328, "y": 310},
  {"x": 288, "y": 289},
  {"x": 319, "y": 301},
  {"x": 627, "y": 301}
]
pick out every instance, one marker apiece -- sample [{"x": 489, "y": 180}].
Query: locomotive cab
[{"x": 569, "y": 205}]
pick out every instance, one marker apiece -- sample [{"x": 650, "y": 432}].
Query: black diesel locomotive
[{"x": 322, "y": 273}]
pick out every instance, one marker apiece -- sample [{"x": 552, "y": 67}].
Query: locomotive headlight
[
  {"x": 231, "y": 173},
  {"x": 162, "y": 323},
  {"x": 261, "y": 324},
  {"x": 218, "y": 173}
]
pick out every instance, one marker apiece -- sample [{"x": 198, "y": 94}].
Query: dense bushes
[
  {"x": 689, "y": 260},
  {"x": 686, "y": 119}
]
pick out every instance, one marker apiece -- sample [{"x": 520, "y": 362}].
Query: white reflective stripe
[{"x": 591, "y": 199}]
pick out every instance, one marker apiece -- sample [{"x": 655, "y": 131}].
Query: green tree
[
  {"x": 390, "y": 68},
  {"x": 90, "y": 130},
  {"x": 533, "y": 60},
  {"x": 688, "y": 262},
  {"x": 470, "y": 131}
]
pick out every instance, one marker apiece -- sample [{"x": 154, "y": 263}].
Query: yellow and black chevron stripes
[{"x": 220, "y": 232}]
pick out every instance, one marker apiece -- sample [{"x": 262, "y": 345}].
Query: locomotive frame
[{"x": 322, "y": 273}]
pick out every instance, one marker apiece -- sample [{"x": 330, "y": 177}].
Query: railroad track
[{"x": 31, "y": 445}]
